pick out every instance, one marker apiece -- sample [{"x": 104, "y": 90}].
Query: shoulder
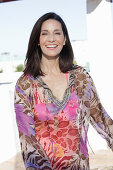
[
  {"x": 81, "y": 73},
  {"x": 24, "y": 82}
]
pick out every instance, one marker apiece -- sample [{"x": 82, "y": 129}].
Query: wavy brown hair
[{"x": 34, "y": 53}]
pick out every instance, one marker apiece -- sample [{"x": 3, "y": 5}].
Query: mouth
[{"x": 51, "y": 46}]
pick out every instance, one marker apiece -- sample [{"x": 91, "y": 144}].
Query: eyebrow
[{"x": 54, "y": 30}]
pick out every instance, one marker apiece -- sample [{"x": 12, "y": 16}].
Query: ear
[
  {"x": 39, "y": 43},
  {"x": 64, "y": 41}
]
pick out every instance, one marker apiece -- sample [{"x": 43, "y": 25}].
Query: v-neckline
[{"x": 67, "y": 92}]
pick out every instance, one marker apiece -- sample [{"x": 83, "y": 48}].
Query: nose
[{"x": 51, "y": 37}]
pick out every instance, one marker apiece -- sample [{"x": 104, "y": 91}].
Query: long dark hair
[{"x": 34, "y": 53}]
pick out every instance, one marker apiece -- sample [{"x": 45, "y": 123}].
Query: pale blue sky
[
  {"x": 112, "y": 14},
  {"x": 18, "y": 18}
]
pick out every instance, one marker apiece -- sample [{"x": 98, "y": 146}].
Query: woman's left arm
[{"x": 99, "y": 118}]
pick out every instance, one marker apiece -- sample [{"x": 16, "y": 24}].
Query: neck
[{"x": 50, "y": 65}]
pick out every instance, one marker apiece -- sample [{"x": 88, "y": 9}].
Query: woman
[{"x": 55, "y": 101}]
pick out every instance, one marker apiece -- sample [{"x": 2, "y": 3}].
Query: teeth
[{"x": 51, "y": 46}]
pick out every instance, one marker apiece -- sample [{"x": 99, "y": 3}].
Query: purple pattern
[{"x": 24, "y": 121}]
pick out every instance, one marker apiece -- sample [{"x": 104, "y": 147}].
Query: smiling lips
[{"x": 51, "y": 46}]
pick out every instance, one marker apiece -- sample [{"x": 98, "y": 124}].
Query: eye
[
  {"x": 58, "y": 33},
  {"x": 43, "y": 33}
]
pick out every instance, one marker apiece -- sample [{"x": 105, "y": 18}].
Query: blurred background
[{"x": 90, "y": 26}]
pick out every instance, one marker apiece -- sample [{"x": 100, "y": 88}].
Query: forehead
[{"x": 51, "y": 24}]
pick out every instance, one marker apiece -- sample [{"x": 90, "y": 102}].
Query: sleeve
[
  {"x": 99, "y": 118},
  {"x": 33, "y": 154}
]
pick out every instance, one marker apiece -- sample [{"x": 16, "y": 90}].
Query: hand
[{"x": 32, "y": 168}]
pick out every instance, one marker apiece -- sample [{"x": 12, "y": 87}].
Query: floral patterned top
[{"x": 53, "y": 133}]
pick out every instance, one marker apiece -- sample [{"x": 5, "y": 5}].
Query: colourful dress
[{"x": 53, "y": 133}]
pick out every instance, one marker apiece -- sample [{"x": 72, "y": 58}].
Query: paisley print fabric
[{"x": 53, "y": 133}]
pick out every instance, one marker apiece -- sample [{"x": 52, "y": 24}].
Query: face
[{"x": 51, "y": 38}]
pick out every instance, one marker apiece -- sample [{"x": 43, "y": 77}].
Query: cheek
[
  {"x": 61, "y": 41},
  {"x": 42, "y": 40}
]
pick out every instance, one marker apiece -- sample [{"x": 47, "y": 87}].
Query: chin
[{"x": 51, "y": 55}]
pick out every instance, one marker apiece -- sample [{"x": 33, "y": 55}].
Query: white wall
[
  {"x": 98, "y": 50},
  {"x": 9, "y": 142}
]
